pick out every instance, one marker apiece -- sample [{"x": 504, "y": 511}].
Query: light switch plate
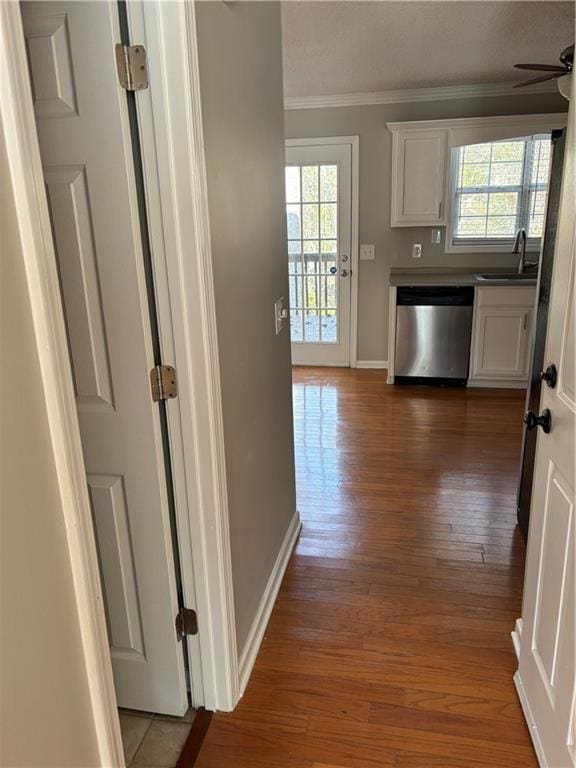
[
  {"x": 367, "y": 252},
  {"x": 417, "y": 251},
  {"x": 280, "y": 314},
  {"x": 436, "y": 237}
]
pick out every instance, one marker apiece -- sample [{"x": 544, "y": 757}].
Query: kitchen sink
[{"x": 512, "y": 277}]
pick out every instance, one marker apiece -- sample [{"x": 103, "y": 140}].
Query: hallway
[{"x": 390, "y": 642}]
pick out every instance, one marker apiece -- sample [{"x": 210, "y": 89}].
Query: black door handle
[
  {"x": 550, "y": 376},
  {"x": 544, "y": 420}
]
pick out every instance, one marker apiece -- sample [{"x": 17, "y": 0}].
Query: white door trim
[
  {"x": 172, "y": 145},
  {"x": 17, "y": 116},
  {"x": 354, "y": 143}
]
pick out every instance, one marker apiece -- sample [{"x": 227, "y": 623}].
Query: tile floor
[{"x": 153, "y": 741}]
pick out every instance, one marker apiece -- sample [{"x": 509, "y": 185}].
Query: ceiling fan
[{"x": 553, "y": 70}]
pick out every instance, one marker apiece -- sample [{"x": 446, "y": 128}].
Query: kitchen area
[{"x": 483, "y": 327}]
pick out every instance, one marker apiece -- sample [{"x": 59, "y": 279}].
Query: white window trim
[{"x": 532, "y": 245}]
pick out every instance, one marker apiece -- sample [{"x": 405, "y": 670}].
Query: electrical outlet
[
  {"x": 417, "y": 251},
  {"x": 280, "y": 314},
  {"x": 367, "y": 252}
]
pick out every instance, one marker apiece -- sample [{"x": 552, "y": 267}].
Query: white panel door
[
  {"x": 546, "y": 676},
  {"x": 319, "y": 223},
  {"x": 86, "y": 152}
]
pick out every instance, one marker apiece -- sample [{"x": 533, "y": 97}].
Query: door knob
[
  {"x": 344, "y": 272},
  {"x": 550, "y": 376},
  {"x": 544, "y": 420}
]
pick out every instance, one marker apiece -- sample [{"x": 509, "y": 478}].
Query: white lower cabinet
[{"x": 502, "y": 336}]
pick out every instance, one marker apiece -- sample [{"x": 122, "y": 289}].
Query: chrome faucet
[{"x": 520, "y": 247}]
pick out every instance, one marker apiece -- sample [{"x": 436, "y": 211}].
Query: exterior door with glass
[{"x": 319, "y": 219}]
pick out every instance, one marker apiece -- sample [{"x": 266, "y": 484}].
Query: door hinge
[
  {"x": 163, "y": 383},
  {"x": 132, "y": 67},
  {"x": 186, "y": 623}
]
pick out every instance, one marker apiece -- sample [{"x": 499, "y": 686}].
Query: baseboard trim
[
  {"x": 532, "y": 725},
  {"x": 517, "y": 637},
  {"x": 256, "y": 635},
  {"x": 497, "y": 384},
  {"x": 380, "y": 364}
]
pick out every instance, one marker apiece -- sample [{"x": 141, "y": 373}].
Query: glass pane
[
  {"x": 471, "y": 227},
  {"x": 329, "y": 326},
  {"x": 535, "y": 225},
  {"x": 330, "y": 289},
  {"x": 503, "y": 203},
  {"x": 328, "y": 254},
  {"x": 310, "y": 221},
  {"x": 311, "y": 298},
  {"x": 293, "y": 283},
  {"x": 538, "y": 202},
  {"x": 328, "y": 182},
  {"x": 508, "y": 150},
  {"x": 501, "y": 226},
  {"x": 300, "y": 293},
  {"x": 328, "y": 219},
  {"x": 474, "y": 204},
  {"x": 476, "y": 153},
  {"x": 311, "y": 325},
  {"x": 540, "y": 162},
  {"x": 506, "y": 174},
  {"x": 294, "y": 257},
  {"x": 475, "y": 175},
  {"x": 296, "y": 325},
  {"x": 292, "y": 184},
  {"x": 311, "y": 256},
  {"x": 293, "y": 221},
  {"x": 309, "y": 183},
  {"x": 536, "y": 213}
]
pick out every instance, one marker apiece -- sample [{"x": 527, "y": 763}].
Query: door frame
[
  {"x": 172, "y": 147},
  {"x": 176, "y": 190},
  {"x": 354, "y": 143}
]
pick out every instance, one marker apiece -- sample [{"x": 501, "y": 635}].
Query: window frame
[{"x": 496, "y": 245}]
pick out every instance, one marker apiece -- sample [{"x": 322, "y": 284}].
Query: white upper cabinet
[
  {"x": 419, "y": 161},
  {"x": 421, "y": 155}
]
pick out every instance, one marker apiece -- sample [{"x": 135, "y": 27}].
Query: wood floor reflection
[{"x": 390, "y": 642}]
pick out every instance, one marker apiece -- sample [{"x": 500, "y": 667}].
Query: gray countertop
[{"x": 454, "y": 276}]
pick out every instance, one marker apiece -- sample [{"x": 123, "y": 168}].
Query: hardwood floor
[{"x": 390, "y": 642}]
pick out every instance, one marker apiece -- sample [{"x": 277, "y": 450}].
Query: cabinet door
[
  {"x": 501, "y": 343},
  {"x": 418, "y": 177}
]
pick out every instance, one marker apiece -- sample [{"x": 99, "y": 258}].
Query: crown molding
[
  {"x": 544, "y": 122},
  {"x": 415, "y": 94}
]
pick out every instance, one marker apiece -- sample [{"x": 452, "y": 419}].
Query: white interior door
[
  {"x": 319, "y": 222},
  {"x": 86, "y": 152},
  {"x": 546, "y": 677}
]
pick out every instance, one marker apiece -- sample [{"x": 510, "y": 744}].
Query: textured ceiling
[{"x": 347, "y": 47}]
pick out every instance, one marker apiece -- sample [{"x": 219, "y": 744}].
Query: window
[
  {"x": 312, "y": 219},
  {"x": 499, "y": 187}
]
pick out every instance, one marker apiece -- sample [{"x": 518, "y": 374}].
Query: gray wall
[
  {"x": 241, "y": 83},
  {"x": 393, "y": 245},
  {"x": 45, "y": 711}
]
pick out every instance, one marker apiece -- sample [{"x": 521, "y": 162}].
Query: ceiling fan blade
[
  {"x": 567, "y": 56},
  {"x": 541, "y": 67},
  {"x": 535, "y": 80}
]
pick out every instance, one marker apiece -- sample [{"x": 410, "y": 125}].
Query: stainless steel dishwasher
[{"x": 433, "y": 329}]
